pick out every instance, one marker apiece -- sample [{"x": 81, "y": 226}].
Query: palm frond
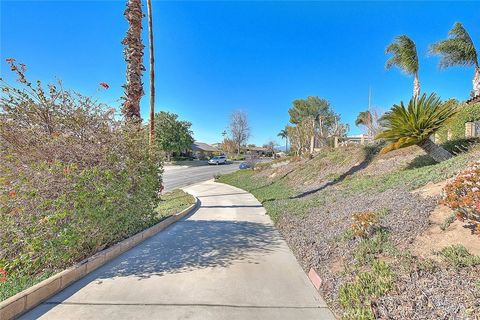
[
  {"x": 404, "y": 55},
  {"x": 458, "y": 49},
  {"x": 363, "y": 118},
  {"x": 412, "y": 124}
]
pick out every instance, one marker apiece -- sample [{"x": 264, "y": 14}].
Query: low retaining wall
[{"x": 33, "y": 296}]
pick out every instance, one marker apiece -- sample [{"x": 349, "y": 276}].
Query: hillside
[{"x": 365, "y": 223}]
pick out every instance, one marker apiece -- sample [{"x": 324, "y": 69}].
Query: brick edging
[{"x": 33, "y": 296}]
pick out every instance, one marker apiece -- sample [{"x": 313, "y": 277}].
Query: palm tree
[
  {"x": 284, "y": 135},
  {"x": 133, "y": 53},
  {"x": 364, "y": 118},
  {"x": 459, "y": 49},
  {"x": 152, "y": 74},
  {"x": 405, "y": 57},
  {"x": 413, "y": 125}
]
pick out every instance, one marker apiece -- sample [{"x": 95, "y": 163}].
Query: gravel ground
[
  {"x": 443, "y": 294},
  {"x": 317, "y": 236}
]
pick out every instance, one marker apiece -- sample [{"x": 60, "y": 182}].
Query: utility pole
[{"x": 152, "y": 75}]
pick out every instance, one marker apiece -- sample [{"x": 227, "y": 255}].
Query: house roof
[
  {"x": 257, "y": 149},
  {"x": 200, "y": 146}
]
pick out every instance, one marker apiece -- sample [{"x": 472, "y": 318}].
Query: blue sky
[{"x": 216, "y": 57}]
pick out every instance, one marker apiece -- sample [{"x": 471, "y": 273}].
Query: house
[
  {"x": 258, "y": 151},
  {"x": 202, "y": 150}
]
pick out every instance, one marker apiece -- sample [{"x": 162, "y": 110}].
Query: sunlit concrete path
[{"x": 225, "y": 261}]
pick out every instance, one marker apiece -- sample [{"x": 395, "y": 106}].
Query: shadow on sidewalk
[{"x": 186, "y": 246}]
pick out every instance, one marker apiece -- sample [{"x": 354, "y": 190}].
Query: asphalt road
[
  {"x": 179, "y": 176},
  {"x": 225, "y": 261}
]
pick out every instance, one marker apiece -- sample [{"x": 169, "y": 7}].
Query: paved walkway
[{"x": 226, "y": 261}]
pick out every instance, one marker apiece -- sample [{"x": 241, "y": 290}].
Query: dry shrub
[
  {"x": 73, "y": 178},
  {"x": 364, "y": 223}
]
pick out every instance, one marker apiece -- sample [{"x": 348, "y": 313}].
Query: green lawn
[
  {"x": 275, "y": 193},
  {"x": 173, "y": 202}
]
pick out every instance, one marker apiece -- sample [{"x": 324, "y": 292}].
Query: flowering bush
[
  {"x": 364, "y": 223},
  {"x": 3, "y": 275},
  {"x": 73, "y": 178},
  {"x": 463, "y": 195}
]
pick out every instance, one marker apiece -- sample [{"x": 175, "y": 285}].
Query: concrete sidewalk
[{"x": 226, "y": 261}]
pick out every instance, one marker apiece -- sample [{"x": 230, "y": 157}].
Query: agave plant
[
  {"x": 459, "y": 50},
  {"x": 414, "y": 124},
  {"x": 404, "y": 56}
]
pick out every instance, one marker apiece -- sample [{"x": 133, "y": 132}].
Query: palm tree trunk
[
  {"x": 416, "y": 87},
  {"x": 152, "y": 74},
  {"x": 312, "y": 138},
  {"x": 476, "y": 82},
  {"x": 435, "y": 151},
  {"x": 133, "y": 53}
]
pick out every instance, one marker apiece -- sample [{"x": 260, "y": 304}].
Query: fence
[
  {"x": 352, "y": 140},
  {"x": 472, "y": 129}
]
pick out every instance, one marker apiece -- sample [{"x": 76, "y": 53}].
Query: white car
[{"x": 218, "y": 160}]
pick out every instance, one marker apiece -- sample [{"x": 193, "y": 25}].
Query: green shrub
[
  {"x": 73, "y": 179},
  {"x": 456, "y": 126},
  {"x": 368, "y": 249},
  {"x": 356, "y": 297},
  {"x": 448, "y": 221},
  {"x": 458, "y": 256}
]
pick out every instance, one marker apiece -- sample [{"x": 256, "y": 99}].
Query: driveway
[
  {"x": 225, "y": 261},
  {"x": 179, "y": 176}
]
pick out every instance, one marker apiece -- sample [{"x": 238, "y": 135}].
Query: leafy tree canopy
[
  {"x": 404, "y": 55},
  {"x": 171, "y": 134},
  {"x": 458, "y": 49},
  {"x": 315, "y": 107}
]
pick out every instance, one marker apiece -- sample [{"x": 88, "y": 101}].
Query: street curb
[{"x": 29, "y": 298}]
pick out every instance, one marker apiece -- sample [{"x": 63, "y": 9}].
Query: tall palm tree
[
  {"x": 414, "y": 124},
  {"x": 459, "y": 49},
  {"x": 133, "y": 53},
  {"x": 405, "y": 57},
  {"x": 152, "y": 74},
  {"x": 284, "y": 135}
]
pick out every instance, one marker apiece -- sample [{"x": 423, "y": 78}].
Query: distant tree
[
  {"x": 171, "y": 134},
  {"x": 405, "y": 58},
  {"x": 270, "y": 146},
  {"x": 151, "y": 131},
  {"x": 459, "y": 49},
  {"x": 229, "y": 146},
  {"x": 414, "y": 124},
  {"x": 284, "y": 135},
  {"x": 239, "y": 129},
  {"x": 369, "y": 120},
  {"x": 300, "y": 135},
  {"x": 339, "y": 129},
  {"x": 133, "y": 53},
  {"x": 318, "y": 110}
]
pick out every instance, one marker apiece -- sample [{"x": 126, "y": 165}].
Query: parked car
[
  {"x": 244, "y": 165},
  {"x": 218, "y": 160}
]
